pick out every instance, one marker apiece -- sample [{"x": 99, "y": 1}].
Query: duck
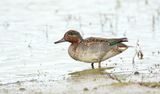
[{"x": 93, "y": 49}]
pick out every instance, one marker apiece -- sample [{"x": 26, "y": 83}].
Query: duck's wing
[
  {"x": 115, "y": 41},
  {"x": 110, "y": 42}
]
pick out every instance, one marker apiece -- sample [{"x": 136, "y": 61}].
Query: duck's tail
[{"x": 122, "y": 40}]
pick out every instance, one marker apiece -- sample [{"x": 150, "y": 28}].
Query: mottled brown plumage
[{"x": 92, "y": 50}]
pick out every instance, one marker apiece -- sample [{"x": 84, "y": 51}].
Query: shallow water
[{"x": 28, "y": 30}]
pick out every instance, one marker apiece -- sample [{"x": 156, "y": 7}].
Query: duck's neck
[
  {"x": 75, "y": 41},
  {"x": 74, "y": 45}
]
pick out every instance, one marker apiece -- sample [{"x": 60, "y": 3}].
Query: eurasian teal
[{"x": 93, "y": 49}]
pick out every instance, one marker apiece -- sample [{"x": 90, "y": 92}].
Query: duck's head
[{"x": 71, "y": 36}]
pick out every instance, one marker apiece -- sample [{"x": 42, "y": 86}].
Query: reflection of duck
[{"x": 93, "y": 49}]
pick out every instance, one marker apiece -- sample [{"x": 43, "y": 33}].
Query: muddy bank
[{"x": 90, "y": 81}]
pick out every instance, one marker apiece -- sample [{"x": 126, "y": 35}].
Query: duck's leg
[{"x": 92, "y": 64}]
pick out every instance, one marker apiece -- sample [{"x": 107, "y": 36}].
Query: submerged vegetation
[{"x": 150, "y": 84}]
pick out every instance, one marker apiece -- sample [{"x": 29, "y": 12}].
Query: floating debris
[
  {"x": 22, "y": 89},
  {"x": 85, "y": 89},
  {"x": 136, "y": 73},
  {"x": 140, "y": 54}
]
